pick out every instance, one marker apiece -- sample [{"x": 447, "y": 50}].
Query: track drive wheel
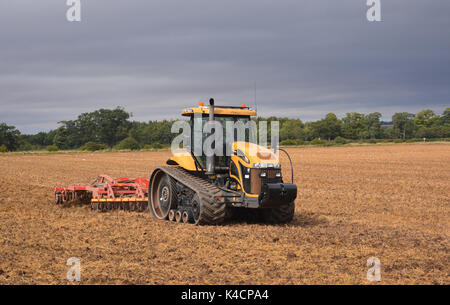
[
  {"x": 163, "y": 196},
  {"x": 207, "y": 212}
]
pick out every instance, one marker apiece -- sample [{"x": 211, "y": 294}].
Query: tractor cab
[{"x": 237, "y": 117}]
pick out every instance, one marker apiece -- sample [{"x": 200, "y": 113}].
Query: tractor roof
[{"x": 220, "y": 110}]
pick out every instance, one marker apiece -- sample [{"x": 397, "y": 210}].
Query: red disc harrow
[{"x": 106, "y": 193}]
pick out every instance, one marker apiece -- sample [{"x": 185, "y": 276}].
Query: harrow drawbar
[{"x": 106, "y": 194}]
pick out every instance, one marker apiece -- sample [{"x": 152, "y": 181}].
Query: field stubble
[{"x": 391, "y": 202}]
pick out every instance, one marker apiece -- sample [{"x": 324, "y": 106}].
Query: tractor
[{"x": 206, "y": 189}]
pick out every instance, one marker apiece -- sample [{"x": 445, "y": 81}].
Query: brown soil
[{"x": 387, "y": 201}]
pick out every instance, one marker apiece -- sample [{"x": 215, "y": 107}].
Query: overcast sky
[{"x": 307, "y": 57}]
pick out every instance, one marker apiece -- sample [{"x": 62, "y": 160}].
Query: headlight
[
  {"x": 278, "y": 175},
  {"x": 263, "y": 174},
  {"x": 267, "y": 165}
]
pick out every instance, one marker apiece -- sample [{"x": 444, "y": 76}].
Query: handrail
[{"x": 290, "y": 161}]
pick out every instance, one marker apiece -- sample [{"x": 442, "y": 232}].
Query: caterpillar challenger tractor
[{"x": 209, "y": 189}]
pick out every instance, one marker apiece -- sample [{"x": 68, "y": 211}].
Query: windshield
[{"x": 241, "y": 131}]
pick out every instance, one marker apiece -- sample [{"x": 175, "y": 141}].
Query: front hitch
[{"x": 276, "y": 194}]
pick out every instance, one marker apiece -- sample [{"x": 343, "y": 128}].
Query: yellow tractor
[{"x": 207, "y": 190}]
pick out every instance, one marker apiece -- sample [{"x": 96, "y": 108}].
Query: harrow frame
[{"x": 107, "y": 193}]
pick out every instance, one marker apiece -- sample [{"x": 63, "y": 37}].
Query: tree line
[{"x": 112, "y": 128}]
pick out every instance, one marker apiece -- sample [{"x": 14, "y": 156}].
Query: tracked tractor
[{"x": 208, "y": 189}]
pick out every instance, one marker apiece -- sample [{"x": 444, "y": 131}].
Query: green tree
[
  {"x": 49, "y": 137},
  {"x": 152, "y": 132},
  {"x": 404, "y": 124},
  {"x": 9, "y": 136},
  {"x": 112, "y": 125},
  {"x": 292, "y": 129},
  {"x": 445, "y": 117},
  {"x": 101, "y": 126},
  {"x": 128, "y": 143},
  {"x": 426, "y": 118},
  {"x": 373, "y": 123},
  {"x": 327, "y": 128},
  {"x": 432, "y": 132},
  {"x": 92, "y": 146},
  {"x": 60, "y": 138},
  {"x": 310, "y": 131},
  {"x": 35, "y": 140},
  {"x": 52, "y": 148},
  {"x": 354, "y": 126}
]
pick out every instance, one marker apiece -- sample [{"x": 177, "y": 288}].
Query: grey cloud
[{"x": 308, "y": 58}]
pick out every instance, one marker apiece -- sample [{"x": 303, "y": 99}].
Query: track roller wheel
[
  {"x": 187, "y": 216},
  {"x": 179, "y": 216},
  {"x": 172, "y": 215},
  {"x": 162, "y": 195}
]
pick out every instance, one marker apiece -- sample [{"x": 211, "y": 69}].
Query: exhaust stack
[{"x": 210, "y": 161}]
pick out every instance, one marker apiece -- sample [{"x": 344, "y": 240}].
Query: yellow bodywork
[
  {"x": 219, "y": 111},
  {"x": 253, "y": 154},
  {"x": 183, "y": 159}
]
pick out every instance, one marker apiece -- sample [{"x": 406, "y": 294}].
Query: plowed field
[{"x": 386, "y": 201}]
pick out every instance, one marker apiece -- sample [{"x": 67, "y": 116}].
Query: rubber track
[{"x": 211, "y": 212}]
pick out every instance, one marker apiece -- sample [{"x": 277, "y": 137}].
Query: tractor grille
[{"x": 254, "y": 183}]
